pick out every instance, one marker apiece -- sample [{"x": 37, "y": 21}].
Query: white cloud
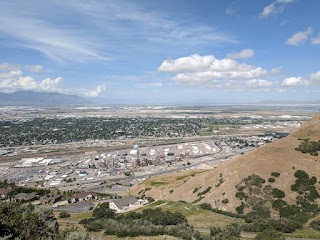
[
  {"x": 276, "y": 7},
  {"x": 294, "y": 81},
  {"x": 95, "y": 92},
  {"x": 285, "y": 1},
  {"x": 315, "y": 76},
  {"x": 191, "y": 63},
  {"x": 299, "y": 37},
  {"x": 245, "y": 53},
  {"x": 276, "y": 70},
  {"x": 259, "y": 83},
  {"x": 34, "y": 68},
  {"x": 267, "y": 10},
  {"x": 8, "y": 67},
  {"x": 231, "y": 10},
  {"x": 209, "y": 71},
  {"x": 50, "y": 84},
  {"x": 152, "y": 85},
  {"x": 315, "y": 41},
  {"x": 281, "y": 90},
  {"x": 130, "y": 25},
  {"x": 14, "y": 80}
]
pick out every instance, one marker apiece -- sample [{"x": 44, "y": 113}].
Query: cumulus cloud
[
  {"x": 13, "y": 79},
  {"x": 95, "y": 92},
  {"x": 49, "y": 84},
  {"x": 276, "y": 7},
  {"x": 294, "y": 81},
  {"x": 299, "y": 37},
  {"x": 245, "y": 53},
  {"x": 191, "y": 63},
  {"x": 315, "y": 76},
  {"x": 208, "y": 70}
]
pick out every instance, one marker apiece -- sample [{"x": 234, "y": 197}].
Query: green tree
[
  {"x": 26, "y": 221},
  {"x": 269, "y": 234},
  {"x": 64, "y": 214},
  {"x": 103, "y": 211}
]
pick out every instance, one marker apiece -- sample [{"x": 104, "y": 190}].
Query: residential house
[
  {"x": 25, "y": 196},
  {"x": 82, "y": 196},
  {"x": 123, "y": 204},
  {"x": 51, "y": 198}
]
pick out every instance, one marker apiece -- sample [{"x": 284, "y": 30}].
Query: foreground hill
[
  {"x": 31, "y": 98},
  {"x": 218, "y": 186}
]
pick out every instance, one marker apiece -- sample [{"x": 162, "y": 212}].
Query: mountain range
[{"x": 31, "y": 98}]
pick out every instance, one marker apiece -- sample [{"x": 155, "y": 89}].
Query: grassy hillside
[
  {"x": 200, "y": 218},
  {"x": 217, "y": 186}
]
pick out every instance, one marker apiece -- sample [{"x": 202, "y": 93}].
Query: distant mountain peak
[{"x": 32, "y": 98}]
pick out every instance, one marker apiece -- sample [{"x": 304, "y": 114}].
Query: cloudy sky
[{"x": 164, "y": 51}]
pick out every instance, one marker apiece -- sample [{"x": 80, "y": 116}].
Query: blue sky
[{"x": 162, "y": 52}]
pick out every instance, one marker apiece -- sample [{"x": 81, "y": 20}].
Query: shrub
[
  {"x": 315, "y": 224},
  {"x": 77, "y": 236},
  {"x": 204, "y": 192},
  {"x": 206, "y": 206},
  {"x": 159, "y": 217},
  {"x": 256, "y": 226},
  {"x": 103, "y": 211},
  {"x": 275, "y": 174},
  {"x": 64, "y": 214},
  {"x": 240, "y": 209},
  {"x": 271, "y": 180},
  {"x": 300, "y": 174},
  {"x": 286, "y": 225},
  {"x": 278, "y": 204},
  {"x": 241, "y": 195},
  {"x": 225, "y": 201},
  {"x": 150, "y": 199},
  {"x": 259, "y": 211},
  {"x": 195, "y": 190},
  {"x": 269, "y": 234},
  {"x": 310, "y": 147},
  {"x": 277, "y": 193},
  {"x": 198, "y": 200},
  {"x": 94, "y": 226}
]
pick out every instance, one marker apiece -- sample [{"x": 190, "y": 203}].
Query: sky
[{"x": 164, "y": 51}]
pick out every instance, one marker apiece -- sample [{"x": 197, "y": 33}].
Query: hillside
[
  {"x": 217, "y": 186},
  {"x": 31, "y": 98}
]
